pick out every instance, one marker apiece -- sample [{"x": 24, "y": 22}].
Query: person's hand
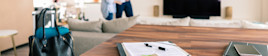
[{"x": 117, "y": 2}]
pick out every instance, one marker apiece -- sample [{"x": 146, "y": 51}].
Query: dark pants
[
  {"x": 124, "y": 7},
  {"x": 110, "y": 16}
]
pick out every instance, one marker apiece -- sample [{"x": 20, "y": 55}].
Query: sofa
[
  {"x": 89, "y": 34},
  {"x": 221, "y": 23},
  {"x": 84, "y": 41}
]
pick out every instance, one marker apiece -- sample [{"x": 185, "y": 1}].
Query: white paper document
[{"x": 140, "y": 49}]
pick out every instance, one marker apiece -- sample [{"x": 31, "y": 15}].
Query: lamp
[
  {"x": 228, "y": 12},
  {"x": 156, "y": 10}
]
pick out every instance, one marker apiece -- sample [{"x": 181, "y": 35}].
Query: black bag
[{"x": 61, "y": 45}]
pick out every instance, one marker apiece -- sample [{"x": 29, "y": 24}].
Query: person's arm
[{"x": 117, "y": 2}]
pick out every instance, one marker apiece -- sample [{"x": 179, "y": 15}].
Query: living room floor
[{"x": 21, "y": 51}]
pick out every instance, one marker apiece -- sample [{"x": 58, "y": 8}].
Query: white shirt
[
  {"x": 122, "y": 1},
  {"x": 111, "y": 6},
  {"x": 107, "y": 6}
]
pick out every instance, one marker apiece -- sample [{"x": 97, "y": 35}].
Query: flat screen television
[{"x": 192, "y": 8}]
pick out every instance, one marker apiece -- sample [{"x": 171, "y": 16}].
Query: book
[
  {"x": 140, "y": 49},
  {"x": 231, "y": 51},
  {"x": 246, "y": 50}
]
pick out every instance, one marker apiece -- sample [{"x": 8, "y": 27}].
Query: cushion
[
  {"x": 216, "y": 23},
  {"x": 132, "y": 21},
  {"x": 118, "y": 25},
  {"x": 50, "y": 32},
  {"x": 84, "y": 41},
  {"x": 167, "y": 22},
  {"x": 91, "y": 26},
  {"x": 251, "y": 25}
]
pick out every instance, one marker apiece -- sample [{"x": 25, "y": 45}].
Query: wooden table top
[
  {"x": 198, "y": 41},
  {"x": 7, "y": 33}
]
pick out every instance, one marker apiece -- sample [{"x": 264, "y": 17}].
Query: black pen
[{"x": 160, "y": 48}]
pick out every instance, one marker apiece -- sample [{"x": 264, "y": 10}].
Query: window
[{"x": 42, "y": 3}]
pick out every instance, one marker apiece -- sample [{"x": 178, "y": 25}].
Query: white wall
[
  {"x": 92, "y": 11},
  {"x": 242, "y": 9},
  {"x": 17, "y": 15},
  {"x": 145, "y": 7},
  {"x": 265, "y": 11}
]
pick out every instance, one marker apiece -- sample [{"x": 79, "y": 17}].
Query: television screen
[{"x": 193, "y": 8}]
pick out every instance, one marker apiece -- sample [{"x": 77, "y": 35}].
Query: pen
[
  {"x": 160, "y": 48},
  {"x": 146, "y": 44}
]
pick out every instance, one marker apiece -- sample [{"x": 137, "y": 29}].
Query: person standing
[
  {"x": 123, "y": 5},
  {"x": 108, "y": 8}
]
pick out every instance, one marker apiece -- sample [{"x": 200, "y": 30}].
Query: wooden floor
[
  {"x": 21, "y": 51},
  {"x": 198, "y": 41}
]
